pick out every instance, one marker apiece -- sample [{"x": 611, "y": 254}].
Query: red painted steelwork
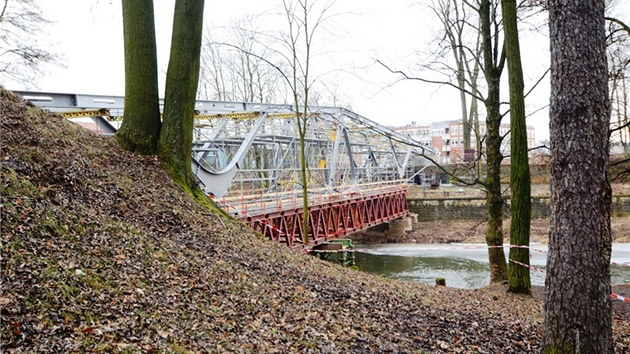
[{"x": 332, "y": 219}]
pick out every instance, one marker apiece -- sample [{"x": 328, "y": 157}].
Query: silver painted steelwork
[{"x": 251, "y": 149}]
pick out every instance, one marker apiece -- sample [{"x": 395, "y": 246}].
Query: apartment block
[{"x": 448, "y": 138}]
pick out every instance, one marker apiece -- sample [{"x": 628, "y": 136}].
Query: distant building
[{"x": 448, "y": 138}]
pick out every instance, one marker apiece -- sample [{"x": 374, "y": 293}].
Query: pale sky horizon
[{"x": 91, "y": 40}]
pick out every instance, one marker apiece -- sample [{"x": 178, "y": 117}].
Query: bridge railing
[
  {"x": 330, "y": 216},
  {"x": 260, "y": 204}
]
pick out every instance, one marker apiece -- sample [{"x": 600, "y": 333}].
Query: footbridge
[{"x": 247, "y": 157}]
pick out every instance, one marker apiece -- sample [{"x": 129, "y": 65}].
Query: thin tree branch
[{"x": 407, "y": 77}]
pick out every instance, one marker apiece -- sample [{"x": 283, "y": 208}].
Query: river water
[{"x": 463, "y": 266}]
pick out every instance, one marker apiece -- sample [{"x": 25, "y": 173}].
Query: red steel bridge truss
[{"x": 330, "y": 216}]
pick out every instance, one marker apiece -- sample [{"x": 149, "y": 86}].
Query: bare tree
[
  {"x": 175, "y": 142},
  {"x": 290, "y": 52},
  {"x": 213, "y": 71},
  {"x": 243, "y": 74},
  {"x": 493, "y": 64},
  {"x": 618, "y": 50},
  {"x": 456, "y": 20},
  {"x": 484, "y": 20},
  {"x": 303, "y": 19},
  {"x": 22, "y": 56}
]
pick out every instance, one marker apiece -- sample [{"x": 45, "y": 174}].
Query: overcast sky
[{"x": 89, "y": 35}]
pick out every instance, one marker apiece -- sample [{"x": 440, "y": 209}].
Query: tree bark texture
[
  {"x": 494, "y": 234},
  {"x": 303, "y": 118},
  {"x": 519, "y": 280},
  {"x": 140, "y": 129},
  {"x": 175, "y": 145},
  {"x": 577, "y": 300}
]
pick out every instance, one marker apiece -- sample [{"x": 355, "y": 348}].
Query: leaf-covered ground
[{"x": 101, "y": 252}]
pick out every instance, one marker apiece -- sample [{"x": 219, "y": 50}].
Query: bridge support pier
[{"x": 399, "y": 227}]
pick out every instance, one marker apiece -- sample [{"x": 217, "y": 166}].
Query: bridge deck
[{"x": 331, "y": 216}]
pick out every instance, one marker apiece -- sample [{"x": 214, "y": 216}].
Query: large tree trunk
[
  {"x": 494, "y": 234},
  {"x": 518, "y": 275},
  {"x": 140, "y": 129},
  {"x": 494, "y": 199},
  {"x": 175, "y": 145},
  {"x": 577, "y": 301}
]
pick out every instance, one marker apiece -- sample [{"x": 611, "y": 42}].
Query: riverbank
[
  {"x": 102, "y": 252},
  {"x": 467, "y": 231}
]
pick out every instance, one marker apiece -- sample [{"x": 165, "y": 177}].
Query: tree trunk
[
  {"x": 578, "y": 314},
  {"x": 461, "y": 83},
  {"x": 303, "y": 117},
  {"x": 140, "y": 129},
  {"x": 520, "y": 185},
  {"x": 494, "y": 234},
  {"x": 175, "y": 145}
]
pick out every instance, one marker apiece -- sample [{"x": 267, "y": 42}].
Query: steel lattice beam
[{"x": 332, "y": 219}]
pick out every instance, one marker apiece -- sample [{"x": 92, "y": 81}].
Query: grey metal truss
[{"x": 253, "y": 149}]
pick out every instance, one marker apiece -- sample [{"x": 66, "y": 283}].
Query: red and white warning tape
[
  {"x": 528, "y": 266},
  {"x": 521, "y": 246},
  {"x": 368, "y": 250},
  {"x": 619, "y": 297},
  {"x": 269, "y": 226},
  {"x": 614, "y": 296}
]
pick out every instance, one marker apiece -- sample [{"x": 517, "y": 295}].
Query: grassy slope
[{"x": 102, "y": 252}]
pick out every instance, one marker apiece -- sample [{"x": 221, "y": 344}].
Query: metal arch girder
[
  {"x": 401, "y": 167},
  {"x": 60, "y": 102},
  {"x": 350, "y": 157},
  {"x": 353, "y": 170},
  {"x": 200, "y": 154},
  {"x": 367, "y": 153},
  {"x": 388, "y": 132},
  {"x": 279, "y": 159},
  {"x": 333, "y": 169},
  {"x": 217, "y": 182},
  {"x": 333, "y": 165},
  {"x": 102, "y": 123}
]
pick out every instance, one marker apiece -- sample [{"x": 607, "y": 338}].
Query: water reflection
[{"x": 463, "y": 266}]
